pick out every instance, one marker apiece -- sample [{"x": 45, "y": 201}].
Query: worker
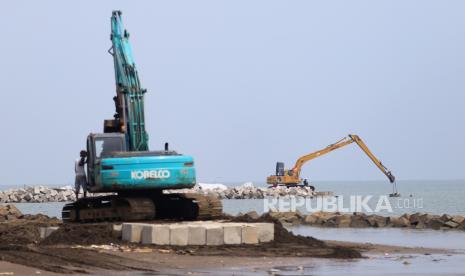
[
  {"x": 312, "y": 188},
  {"x": 80, "y": 180},
  {"x": 305, "y": 182}
]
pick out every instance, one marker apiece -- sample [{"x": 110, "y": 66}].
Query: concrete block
[
  {"x": 50, "y": 230},
  {"x": 265, "y": 232},
  {"x": 46, "y": 231},
  {"x": 156, "y": 234},
  {"x": 215, "y": 235},
  {"x": 179, "y": 234},
  {"x": 117, "y": 230},
  {"x": 42, "y": 232},
  {"x": 197, "y": 235},
  {"x": 232, "y": 233},
  {"x": 131, "y": 232},
  {"x": 250, "y": 234}
]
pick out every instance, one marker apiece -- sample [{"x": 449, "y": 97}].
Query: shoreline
[
  {"x": 159, "y": 261},
  {"x": 376, "y": 248}
]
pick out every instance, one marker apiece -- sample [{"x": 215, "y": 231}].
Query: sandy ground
[
  {"x": 7, "y": 268},
  {"x": 153, "y": 261},
  {"x": 93, "y": 249}
]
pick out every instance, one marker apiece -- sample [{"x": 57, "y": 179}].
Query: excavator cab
[
  {"x": 280, "y": 168},
  {"x": 99, "y": 146}
]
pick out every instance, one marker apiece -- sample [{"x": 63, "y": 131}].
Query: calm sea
[{"x": 435, "y": 197}]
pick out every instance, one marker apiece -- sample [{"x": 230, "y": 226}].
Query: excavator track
[
  {"x": 182, "y": 206},
  {"x": 109, "y": 208},
  {"x": 209, "y": 207}
]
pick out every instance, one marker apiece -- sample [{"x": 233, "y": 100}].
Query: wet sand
[
  {"x": 370, "y": 248},
  {"x": 152, "y": 261}
]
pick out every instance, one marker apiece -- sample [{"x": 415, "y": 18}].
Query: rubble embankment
[
  {"x": 249, "y": 191},
  {"x": 40, "y": 194},
  {"x": 360, "y": 220},
  {"x": 37, "y": 194}
]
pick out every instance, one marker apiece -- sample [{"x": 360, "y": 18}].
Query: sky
[{"x": 240, "y": 85}]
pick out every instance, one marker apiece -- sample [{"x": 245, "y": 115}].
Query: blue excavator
[{"x": 119, "y": 162}]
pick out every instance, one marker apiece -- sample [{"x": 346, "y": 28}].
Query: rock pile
[
  {"x": 249, "y": 191},
  {"x": 9, "y": 212},
  {"x": 358, "y": 220},
  {"x": 37, "y": 194}
]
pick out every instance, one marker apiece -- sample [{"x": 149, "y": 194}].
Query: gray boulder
[
  {"x": 359, "y": 221},
  {"x": 435, "y": 223},
  {"x": 36, "y": 190},
  {"x": 252, "y": 215},
  {"x": 377, "y": 221},
  {"x": 451, "y": 224},
  {"x": 343, "y": 220},
  {"x": 309, "y": 219},
  {"x": 399, "y": 221},
  {"x": 458, "y": 219}
]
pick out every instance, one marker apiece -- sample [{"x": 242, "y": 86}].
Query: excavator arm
[
  {"x": 373, "y": 158},
  {"x": 129, "y": 100}
]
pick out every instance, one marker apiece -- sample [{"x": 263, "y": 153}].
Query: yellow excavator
[{"x": 291, "y": 177}]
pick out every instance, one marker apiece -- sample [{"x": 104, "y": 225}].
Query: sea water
[{"x": 434, "y": 197}]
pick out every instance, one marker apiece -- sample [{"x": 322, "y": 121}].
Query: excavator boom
[
  {"x": 129, "y": 99},
  {"x": 304, "y": 159}
]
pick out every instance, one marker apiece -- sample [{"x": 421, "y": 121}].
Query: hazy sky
[{"x": 241, "y": 84}]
